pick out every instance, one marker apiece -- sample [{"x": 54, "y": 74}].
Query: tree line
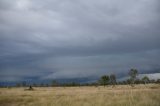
[
  {"x": 104, "y": 80},
  {"x": 133, "y": 73}
]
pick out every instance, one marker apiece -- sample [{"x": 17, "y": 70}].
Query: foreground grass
[{"x": 140, "y": 95}]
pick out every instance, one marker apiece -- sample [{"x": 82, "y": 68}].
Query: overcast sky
[{"x": 54, "y": 39}]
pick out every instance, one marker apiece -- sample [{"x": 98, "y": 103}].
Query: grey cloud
[{"x": 70, "y": 38}]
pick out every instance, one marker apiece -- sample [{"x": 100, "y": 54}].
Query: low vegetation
[{"x": 120, "y": 95}]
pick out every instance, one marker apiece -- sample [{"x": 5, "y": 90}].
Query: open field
[{"x": 121, "y": 95}]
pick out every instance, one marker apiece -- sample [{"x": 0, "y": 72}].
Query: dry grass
[{"x": 141, "y": 95}]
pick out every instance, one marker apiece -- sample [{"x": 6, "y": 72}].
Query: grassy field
[{"x": 121, "y": 95}]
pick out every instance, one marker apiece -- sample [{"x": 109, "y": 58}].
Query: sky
[{"x": 68, "y": 39}]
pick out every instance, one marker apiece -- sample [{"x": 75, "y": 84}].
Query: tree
[
  {"x": 145, "y": 79},
  {"x": 42, "y": 85},
  {"x": 158, "y": 81},
  {"x": 152, "y": 81},
  {"x": 104, "y": 80},
  {"x": 137, "y": 81},
  {"x": 34, "y": 84},
  {"x": 24, "y": 83},
  {"x": 133, "y": 74},
  {"x": 54, "y": 83},
  {"x": 47, "y": 85},
  {"x": 128, "y": 81},
  {"x": 113, "y": 79},
  {"x": 18, "y": 84}
]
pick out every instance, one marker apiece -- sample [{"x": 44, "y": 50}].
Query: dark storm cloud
[{"x": 78, "y": 38}]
